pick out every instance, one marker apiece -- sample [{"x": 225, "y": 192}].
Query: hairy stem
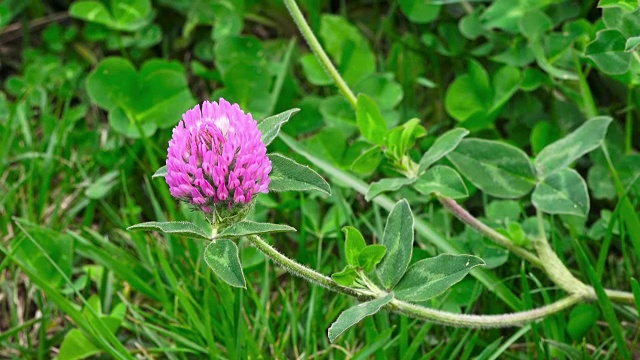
[
  {"x": 462, "y": 214},
  {"x": 318, "y": 51},
  {"x": 412, "y": 310},
  {"x": 546, "y": 259}
]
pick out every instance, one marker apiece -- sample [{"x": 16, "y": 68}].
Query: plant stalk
[
  {"x": 319, "y": 52},
  {"x": 412, "y": 310}
]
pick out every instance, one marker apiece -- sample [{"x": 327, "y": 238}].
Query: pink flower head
[{"x": 216, "y": 156}]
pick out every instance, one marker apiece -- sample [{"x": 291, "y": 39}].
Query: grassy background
[{"x": 74, "y": 284}]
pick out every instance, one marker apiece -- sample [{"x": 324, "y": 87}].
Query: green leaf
[
  {"x": 632, "y": 44},
  {"x": 181, "y": 228},
  {"x": 469, "y": 94},
  {"x": 382, "y": 88},
  {"x": 76, "y": 346},
  {"x": 222, "y": 257},
  {"x": 288, "y": 175},
  {"x": 371, "y": 256},
  {"x": 355, "y": 314},
  {"x": 534, "y": 24},
  {"x": 154, "y": 97},
  {"x": 370, "y": 121},
  {"x": 353, "y": 244},
  {"x": 346, "y": 277},
  {"x": 313, "y": 70},
  {"x": 431, "y": 277},
  {"x": 419, "y": 11},
  {"x": 563, "y": 152},
  {"x": 563, "y": 192},
  {"x": 442, "y": 180},
  {"x": 398, "y": 240},
  {"x": 391, "y": 184},
  {"x": 498, "y": 169},
  {"x": 129, "y": 15},
  {"x": 270, "y": 127},
  {"x": 161, "y": 172},
  {"x": 581, "y": 320},
  {"x": 348, "y": 48},
  {"x": 625, "y": 4},
  {"x": 402, "y": 138},
  {"x": 247, "y": 227},
  {"x": 368, "y": 161},
  {"x": 608, "y": 52},
  {"x": 443, "y": 145}
]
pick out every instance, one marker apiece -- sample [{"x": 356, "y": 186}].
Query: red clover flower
[{"x": 216, "y": 158}]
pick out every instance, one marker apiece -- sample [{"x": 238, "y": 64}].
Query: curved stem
[
  {"x": 464, "y": 216},
  {"x": 412, "y": 310},
  {"x": 554, "y": 268},
  {"x": 318, "y": 51}
]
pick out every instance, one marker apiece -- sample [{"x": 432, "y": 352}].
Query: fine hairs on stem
[
  {"x": 413, "y": 310},
  {"x": 545, "y": 258}
]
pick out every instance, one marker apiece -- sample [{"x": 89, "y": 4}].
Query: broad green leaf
[
  {"x": 353, "y": 244},
  {"x": 543, "y": 134},
  {"x": 154, "y": 97},
  {"x": 581, "y": 320},
  {"x": 431, "y": 277},
  {"x": 563, "y": 192},
  {"x": 288, "y": 175},
  {"x": 371, "y": 256},
  {"x": 419, "y": 11},
  {"x": 608, "y": 52},
  {"x": 355, "y": 314},
  {"x": 382, "y": 89},
  {"x": 222, "y": 257},
  {"x": 368, "y": 161},
  {"x": 498, "y": 169},
  {"x": 391, "y": 184},
  {"x": 469, "y": 94},
  {"x": 534, "y": 24},
  {"x": 563, "y": 152},
  {"x": 247, "y": 227},
  {"x": 161, "y": 172},
  {"x": 127, "y": 15},
  {"x": 181, "y": 228},
  {"x": 625, "y": 4},
  {"x": 313, "y": 70},
  {"x": 370, "y": 121},
  {"x": 76, "y": 346},
  {"x": 443, "y": 145},
  {"x": 626, "y": 22},
  {"x": 270, "y": 127},
  {"x": 442, "y": 180},
  {"x": 632, "y": 44},
  {"x": 346, "y": 277},
  {"x": 348, "y": 48},
  {"x": 398, "y": 239}
]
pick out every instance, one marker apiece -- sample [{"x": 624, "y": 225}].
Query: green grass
[{"x": 71, "y": 183}]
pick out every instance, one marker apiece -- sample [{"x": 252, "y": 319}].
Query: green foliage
[
  {"x": 431, "y": 277},
  {"x": 398, "y": 239},
  {"x": 288, "y": 175},
  {"x": 139, "y": 102},
  {"x": 222, "y": 257},
  {"x": 531, "y": 101}
]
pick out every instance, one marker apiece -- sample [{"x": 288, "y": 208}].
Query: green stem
[
  {"x": 412, "y": 310},
  {"x": 553, "y": 266},
  {"x": 547, "y": 259},
  {"x": 319, "y": 52},
  {"x": 590, "y": 107},
  {"x": 464, "y": 216}
]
